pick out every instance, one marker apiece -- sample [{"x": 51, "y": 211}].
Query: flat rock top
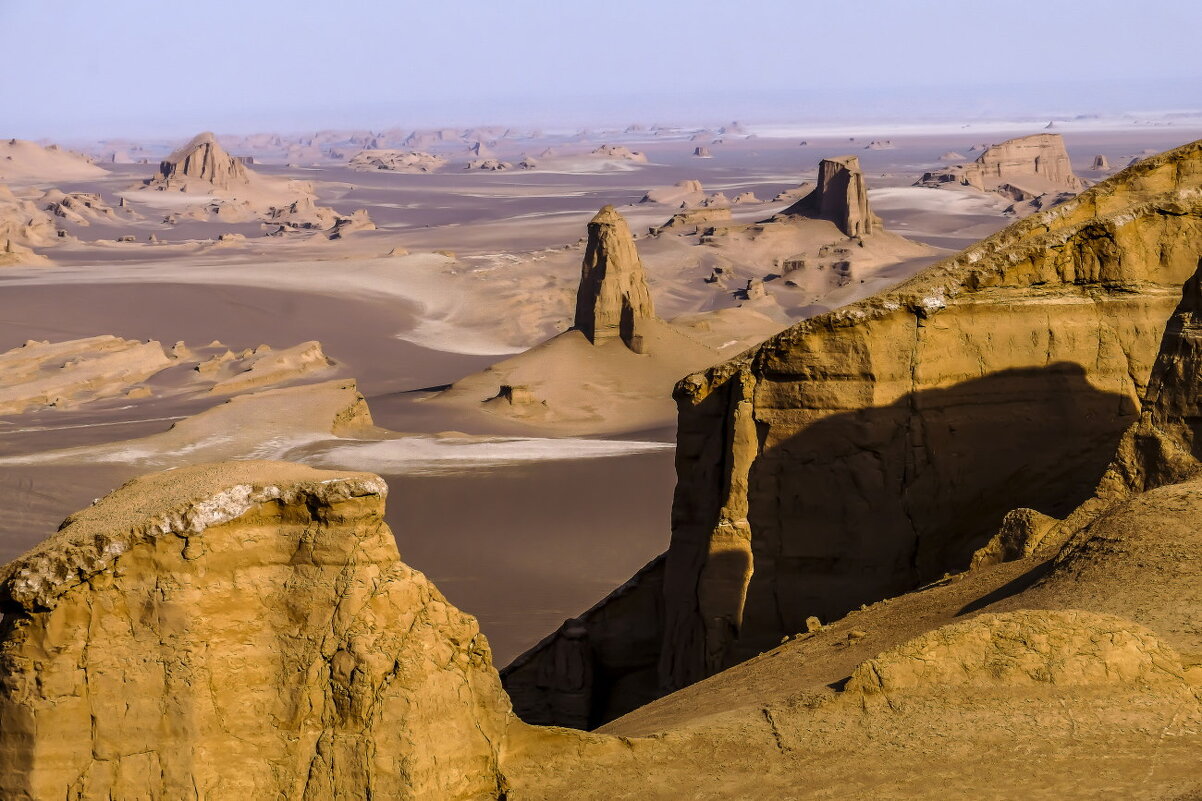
[{"x": 180, "y": 502}]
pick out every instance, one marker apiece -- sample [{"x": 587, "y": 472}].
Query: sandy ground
[{"x": 516, "y": 528}]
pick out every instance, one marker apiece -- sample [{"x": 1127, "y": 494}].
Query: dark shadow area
[
  {"x": 1012, "y": 587},
  {"x": 875, "y": 502}
]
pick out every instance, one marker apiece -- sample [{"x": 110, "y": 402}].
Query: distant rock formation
[
  {"x": 951, "y": 155},
  {"x": 1100, "y": 162},
  {"x": 1029, "y": 165},
  {"x": 200, "y": 164},
  {"x": 613, "y": 299},
  {"x": 880, "y": 144},
  {"x": 840, "y": 197},
  {"x": 702, "y": 153},
  {"x": 687, "y": 191},
  {"x": 409, "y": 161},
  {"x": 24, "y": 224},
  {"x": 488, "y": 165},
  {"x": 620, "y": 153}
]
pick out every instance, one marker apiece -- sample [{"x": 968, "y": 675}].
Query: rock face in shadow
[
  {"x": 840, "y": 197},
  {"x": 864, "y": 452},
  {"x": 202, "y": 161},
  {"x": 240, "y": 630},
  {"x": 613, "y": 299}
]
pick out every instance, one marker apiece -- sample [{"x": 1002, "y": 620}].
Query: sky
[{"x": 79, "y": 68}]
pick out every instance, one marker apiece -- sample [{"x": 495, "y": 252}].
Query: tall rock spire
[
  {"x": 841, "y": 197},
  {"x": 613, "y": 299}
]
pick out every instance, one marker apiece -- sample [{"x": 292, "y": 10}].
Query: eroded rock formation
[
  {"x": 1022, "y": 169},
  {"x": 840, "y": 197},
  {"x": 202, "y": 161},
  {"x": 242, "y": 630},
  {"x": 857, "y": 454},
  {"x": 613, "y": 299}
]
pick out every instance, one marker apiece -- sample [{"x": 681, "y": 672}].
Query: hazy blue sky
[{"x": 79, "y": 67}]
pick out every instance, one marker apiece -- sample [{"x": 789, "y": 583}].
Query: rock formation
[
  {"x": 24, "y": 224},
  {"x": 856, "y": 455},
  {"x": 1021, "y": 168},
  {"x": 1100, "y": 162},
  {"x": 702, "y": 153},
  {"x": 396, "y": 161},
  {"x": 840, "y": 197},
  {"x": 619, "y": 153},
  {"x": 200, "y": 165},
  {"x": 242, "y": 630},
  {"x": 613, "y": 299}
]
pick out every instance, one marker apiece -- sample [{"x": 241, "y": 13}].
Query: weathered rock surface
[
  {"x": 856, "y": 455},
  {"x": 840, "y": 197},
  {"x": 64, "y": 374},
  {"x": 1022, "y": 169},
  {"x": 24, "y": 224},
  {"x": 240, "y": 630},
  {"x": 613, "y": 299},
  {"x": 396, "y": 161},
  {"x": 619, "y": 153},
  {"x": 201, "y": 164},
  {"x": 1100, "y": 162}
]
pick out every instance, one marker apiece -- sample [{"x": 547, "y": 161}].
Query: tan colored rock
[
  {"x": 266, "y": 367},
  {"x": 1020, "y": 535},
  {"x": 1021, "y": 168},
  {"x": 200, "y": 163},
  {"x": 1100, "y": 162},
  {"x": 859, "y": 454},
  {"x": 397, "y": 161},
  {"x": 702, "y": 153},
  {"x": 619, "y": 153},
  {"x": 40, "y": 374},
  {"x": 357, "y": 221},
  {"x": 613, "y": 299},
  {"x": 235, "y": 631},
  {"x": 840, "y": 197},
  {"x": 1016, "y": 650}
]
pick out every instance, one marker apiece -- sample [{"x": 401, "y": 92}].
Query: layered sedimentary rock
[
  {"x": 240, "y": 630},
  {"x": 203, "y": 161},
  {"x": 1021, "y": 168},
  {"x": 868, "y": 450},
  {"x": 840, "y": 197},
  {"x": 613, "y": 299}
]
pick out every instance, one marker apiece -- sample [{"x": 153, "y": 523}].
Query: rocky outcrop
[
  {"x": 857, "y": 455},
  {"x": 619, "y": 153},
  {"x": 840, "y": 197},
  {"x": 396, "y": 161},
  {"x": 240, "y": 630},
  {"x": 201, "y": 164},
  {"x": 24, "y": 224},
  {"x": 613, "y": 299},
  {"x": 1021, "y": 169},
  {"x": 1100, "y": 162}
]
